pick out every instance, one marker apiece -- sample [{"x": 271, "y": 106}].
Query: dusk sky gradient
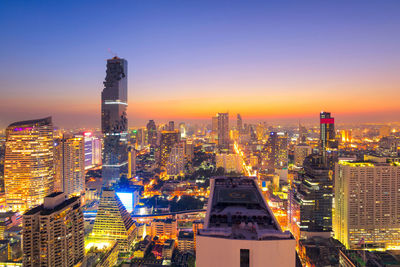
[{"x": 268, "y": 60}]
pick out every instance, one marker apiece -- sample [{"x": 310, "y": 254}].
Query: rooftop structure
[{"x": 238, "y": 219}]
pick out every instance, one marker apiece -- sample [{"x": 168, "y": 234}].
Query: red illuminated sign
[{"x": 328, "y": 121}]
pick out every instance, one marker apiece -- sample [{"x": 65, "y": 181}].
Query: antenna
[{"x": 111, "y": 52}]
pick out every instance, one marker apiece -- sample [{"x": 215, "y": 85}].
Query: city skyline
[{"x": 266, "y": 61}]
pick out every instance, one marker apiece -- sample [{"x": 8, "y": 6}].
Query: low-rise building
[{"x": 186, "y": 241}]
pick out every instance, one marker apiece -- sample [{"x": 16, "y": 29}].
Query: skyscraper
[
  {"x": 367, "y": 204},
  {"x": 239, "y": 123},
  {"x": 167, "y": 141},
  {"x": 223, "y": 130},
  {"x": 214, "y": 128},
  {"x": 313, "y": 199},
  {"x": 152, "y": 133},
  {"x": 53, "y": 233},
  {"x": 114, "y": 122},
  {"x": 276, "y": 151},
  {"x": 327, "y": 131},
  {"x": 70, "y": 165},
  {"x": 171, "y": 126},
  {"x": 28, "y": 165},
  {"x": 176, "y": 161}
]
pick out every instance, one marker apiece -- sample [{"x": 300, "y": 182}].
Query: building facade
[
  {"x": 29, "y": 163},
  {"x": 114, "y": 121},
  {"x": 223, "y": 130},
  {"x": 53, "y": 233},
  {"x": 367, "y": 204},
  {"x": 70, "y": 165},
  {"x": 113, "y": 222}
]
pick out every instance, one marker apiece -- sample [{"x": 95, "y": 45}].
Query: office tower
[
  {"x": 189, "y": 150},
  {"x": 171, "y": 126},
  {"x": 69, "y": 157},
  {"x": 240, "y": 229},
  {"x": 182, "y": 129},
  {"x": 223, "y": 130},
  {"x": 311, "y": 200},
  {"x": 29, "y": 163},
  {"x": 176, "y": 161},
  {"x": 367, "y": 204},
  {"x": 114, "y": 122},
  {"x": 131, "y": 162},
  {"x": 260, "y": 130},
  {"x": 302, "y": 134},
  {"x": 230, "y": 162},
  {"x": 92, "y": 150},
  {"x": 152, "y": 133},
  {"x": 53, "y": 233},
  {"x": 301, "y": 151},
  {"x": 141, "y": 138},
  {"x": 239, "y": 123},
  {"x": 214, "y": 128},
  {"x": 276, "y": 151},
  {"x": 327, "y": 131},
  {"x": 167, "y": 141},
  {"x": 164, "y": 228},
  {"x": 113, "y": 222}
]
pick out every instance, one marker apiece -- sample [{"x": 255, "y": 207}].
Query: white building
[
  {"x": 240, "y": 229},
  {"x": 367, "y": 204}
]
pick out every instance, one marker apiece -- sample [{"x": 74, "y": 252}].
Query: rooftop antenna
[{"x": 112, "y": 53}]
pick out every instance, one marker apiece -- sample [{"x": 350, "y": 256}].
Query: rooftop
[
  {"x": 44, "y": 211},
  {"x": 237, "y": 210},
  {"x": 37, "y": 122}
]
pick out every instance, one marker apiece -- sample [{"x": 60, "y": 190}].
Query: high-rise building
[
  {"x": 223, "y": 130},
  {"x": 29, "y": 163},
  {"x": 92, "y": 150},
  {"x": 367, "y": 204},
  {"x": 301, "y": 151},
  {"x": 327, "y": 131},
  {"x": 276, "y": 151},
  {"x": 240, "y": 228},
  {"x": 113, "y": 222},
  {"x": 189, "y": 150},
  {"x": 214, "y": 128},
  {"x": 239, "y": 123},
  {"x": 176, "y": 161},
  {"x": 114, "y": 122},
  {"x": 53, "y": 233},
  {"x": 167, "y": 141},
  {"x": 302, "y": 134},
  {"x": 69, "y": 155},
  {"x": 182, "y": 129},
  {"x": 311, "y": 200},
  {"x": 230, "y": 162},
  {"x": 131, "y": 162},
  {"x": 171, "y": 126},
  {"x": 152, "y": 133}
]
